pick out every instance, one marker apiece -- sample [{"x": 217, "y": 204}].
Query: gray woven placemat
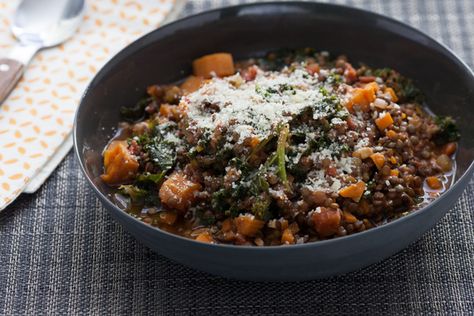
[{"x": 60, "y": 252}]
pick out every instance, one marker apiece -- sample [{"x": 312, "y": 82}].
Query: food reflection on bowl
[{"x": 165, "y": 56}]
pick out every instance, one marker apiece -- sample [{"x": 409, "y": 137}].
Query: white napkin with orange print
[{"x": 36, "y": 120}]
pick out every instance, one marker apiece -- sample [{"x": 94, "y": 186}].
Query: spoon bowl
[
  {"x": 47, "y": 22},
  {"x": 37, "y": 25}
]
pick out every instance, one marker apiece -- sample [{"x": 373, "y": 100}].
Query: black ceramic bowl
[{"x": 165, "y": 55}]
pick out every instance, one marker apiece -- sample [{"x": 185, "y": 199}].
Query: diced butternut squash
[
  {"x": 178, "y": 192},
  {"x": 363, "y": 153},
  {"x": 254, "y": 141},
  {"x": 391, "y": 134},
  {"x": 287, "y": 237},
  {"x": 392, "y": 94},
  {"x": 172, "y": 112},
  {"x": 384, "y": 121},
  {"x": 434, "y": 183},
  {"x": 378, "y": 159},
  {"x": 120, "y": 165},
  {"x": 353, "y": 191},
  {"x": 326, "y": 221},
  {"x": 363, "y": 97},
  {"x": 205, "y": 237},
  {"x": 167, "y": 217},
  {"x": 221, "y": 64},
  {"x": 449, "y": 148},
  {"x": 227, "y": 225},
  {"x": 348, "y": 217},
  {"x": 248, "y": 225},
  {"x": 191, "y": 84},
  {"x": 394, "y": 172},
  {"x": 373, "y": 86}
]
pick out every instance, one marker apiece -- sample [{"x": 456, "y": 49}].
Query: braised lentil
[{"x": 343, "y": 150}]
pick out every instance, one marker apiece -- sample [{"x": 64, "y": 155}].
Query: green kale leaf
[
  {"x": 448, "y": 131},
  {"x": 136, "y": 112}
]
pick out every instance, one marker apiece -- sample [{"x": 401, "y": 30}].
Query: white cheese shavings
[
  {"x": 363, "y": 142},
  {"x": 255, "y": 108},
  {"x": 172, "y": 138}
]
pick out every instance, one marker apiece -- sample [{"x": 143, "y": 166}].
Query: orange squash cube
[
  {"x": 178, "y": 192},
  {"x": 384, "y": 121},
  {"x": 287, "y": 237},
  {"x": 191, "y": 84},
  {"x": 363, "y": 97},
  {"x": 248, "y": 225},
  {"x": 353, "y": 191},
  {"x": 392, "y": 94},
  {"x": 120, "y": 165},
  {"x": 222, "y": 64},
  {"x": 378, "y": 159},
  {"x": 326, "y": 221},
  {"x": 205, "y": 237}
]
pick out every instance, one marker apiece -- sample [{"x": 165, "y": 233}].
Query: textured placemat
[{"x": 61, "y": 253}]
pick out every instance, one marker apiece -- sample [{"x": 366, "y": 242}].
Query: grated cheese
[{"x": 255, "y": 108}]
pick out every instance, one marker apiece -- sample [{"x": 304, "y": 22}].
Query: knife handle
[{"x": 10, "y": 72}]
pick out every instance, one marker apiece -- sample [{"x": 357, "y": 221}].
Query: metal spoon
[{"x": 37, "y": 24}]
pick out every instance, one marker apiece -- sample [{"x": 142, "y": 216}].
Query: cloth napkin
[{"x": 36, "y": 120}]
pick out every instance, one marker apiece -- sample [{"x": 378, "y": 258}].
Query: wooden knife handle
[{"x": 10, "y": 72}]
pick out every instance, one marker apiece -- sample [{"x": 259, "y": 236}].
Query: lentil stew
[{"x": 291, "y": 148}]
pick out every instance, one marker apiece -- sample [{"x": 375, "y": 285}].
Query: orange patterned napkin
[{"x": 37, "y": 117}]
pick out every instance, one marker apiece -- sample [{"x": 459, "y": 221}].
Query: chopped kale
[
  {"x": 224, "y": 154},
  {"x": 251, "y": 184},
  {"x": 261, "y": 206},
  {"x": 408, "y": 91},
  {"x": 344, "y": 148},
  {"x": 142, "y": 193},
  {"x": 240, "y": 164},
  {"x": 220, "y": 200},
  {"x": 330, "y": 103},
  {"x": 161, "y": 152},
  {"x": 205, "y": 218},
  {"x": 319, "y": 143},
  {"x": 134, "y": 192},
  {"x": 334, "y": 78},
  {"x": 381, "y": 72},
  {"x": 279, "y": 89},
  {"x": 136, "y": 112},
  {"x": 153, "y": 177},
  {"x": 258, "y": 184},
  {"x": 448, "y": 131}
]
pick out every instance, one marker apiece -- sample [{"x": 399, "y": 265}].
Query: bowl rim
[{"x": 469, "y": 171}]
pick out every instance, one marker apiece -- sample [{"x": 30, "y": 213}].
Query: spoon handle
[{"x": 10, "y": 72}]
